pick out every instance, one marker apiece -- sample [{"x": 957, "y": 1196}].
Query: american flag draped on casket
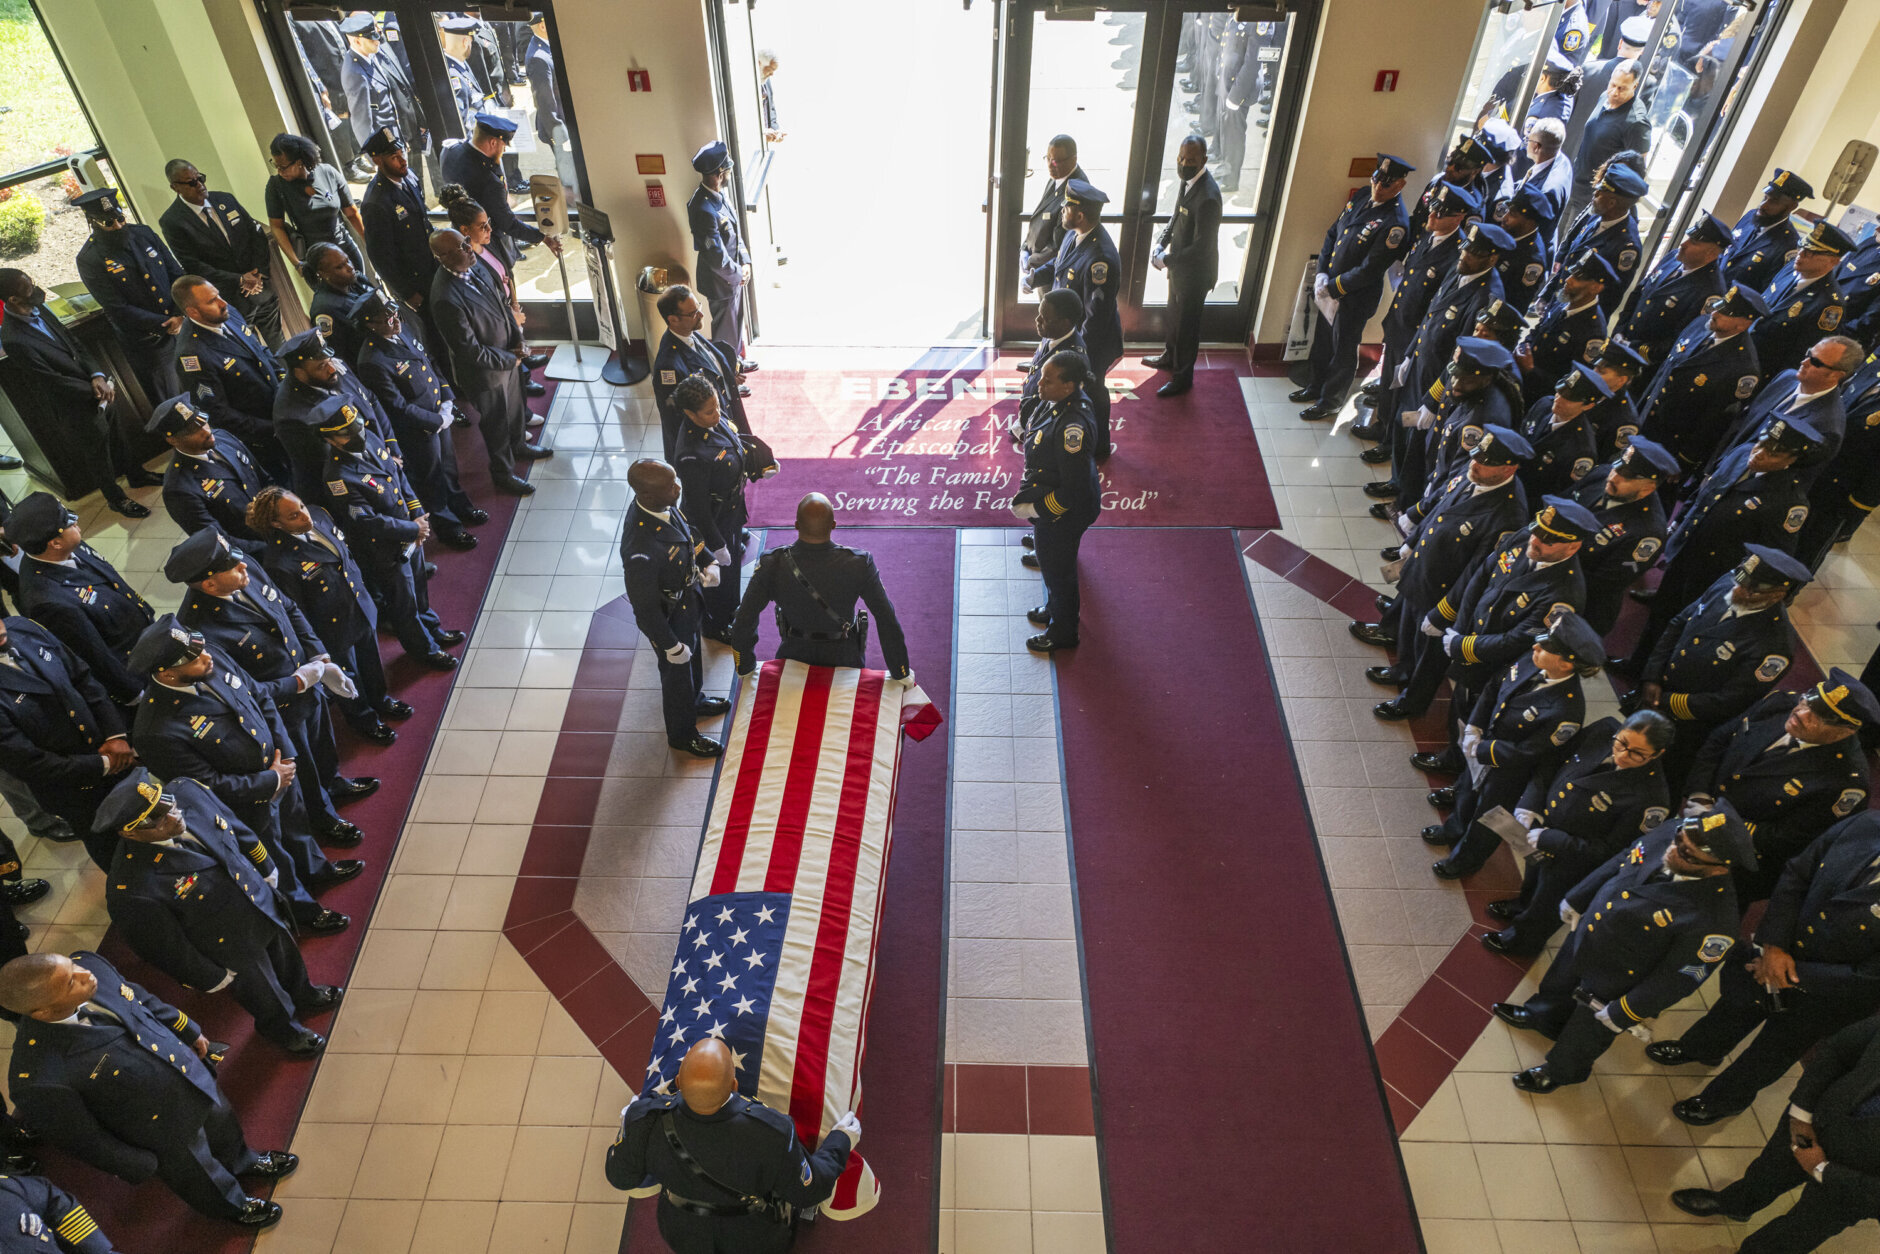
[{"x": 776, "y": 951}]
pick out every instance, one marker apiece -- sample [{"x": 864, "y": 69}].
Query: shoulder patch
[
  {"x": 1772, "y": 668},
  {"x": 1792, "y": 522},
  {"x": 1532, "y": 274},
  {"x": 1646, "y": 549},
  {"x": 1715, "y": 947},
  {"x": 1574, "y": 38},
  {"x": 1830, "y": 318},
  {"x": 1745, "y": 386},
  {"x": 1653, "y": 816},
  {"x": 1564, "y": 733},
  {"x": 1394, "y": 238},
  {"x": 669, "y": 377},
  {"x": 324, "y": 322},
  {"x": 1850, "y": 800},
  {"x": 336, "y": 486},
  {"x": 1074, "y": 438},
  {"x": 1628, "y": 257},
  {"x": 1581, "y": 465},
  {"x": 1099, "y": 272}
]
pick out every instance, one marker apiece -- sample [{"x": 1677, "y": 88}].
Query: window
[{"x": 41, "y": 125}]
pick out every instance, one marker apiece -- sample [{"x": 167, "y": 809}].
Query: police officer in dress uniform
[
  {"x": 1609, "y": 792},
  {"x": 1676, "y": 290},
  {"x": 1616, "y": 418},
  {"x": 1561, "y": 431},
  {"x": 212, "y": 478},
  {"x": 228, "y": 370},
  {"x": 1189, "y": 250},
  {"x": 1045, "y": 232},
  {"x": 388, "y": 527},
  {"x": 1476, "y": 390},
  {"x": 815, "y": 584},
  {"x": 1623, "y": 495},
  {"x": 476, "y": 166},
  {"x": 377, "y": 85},
  {"x": 1647, "y": 928},
  {"x": 728, "y": 1169},
  {"x": 420, "y": 404},
  {"x": 723, "y": 260},
  {"x": 1846, "y": 490},
  {"x": 1810, "y": 393},
  {"x": 203, "y": 718},
  {"x": 1059, "y": 323},
  {"x": 315, "y": 375},
  {"x": 1709, "y": 374},
  {"x": 212, "y": 235},
  {"x": 1764, "y": 239},
  {"x": 685, "y": 352},
  {"x": 1610, "y": 228},
  {"x": 1858, "y": 278},
  {"x": 1519, "y": 728},
  {"x": 1462, "y": 168},
  {"x": 713, "y": 465},
  {"x": 1089, "y": 265},
  {"x": 1059, "y": 495},
  {"x": 1571, "y": 329},
  {"x": 336, "y": 287},
  {"x": 1813, "y": 969},
  {"x": 665, "y": 565},
  {"x": 398, "y": 228},
  {"x": 1371, "y": 232},
  {"x": 116, "y": 1077},
  {"x": 1804, "y": 302},
  {"x": 36, "y": 1214},
  {"x": 77, "y": 595},
  {"x": 458, "y": 34},
  {"x": 1528, "y": 217},
  {"x": 191, "y": 891},
  {"x": 1791, "y": 767},
  {"x": 259, "y": 628},
  {"x": 484, "y": 344},
  {"x": 128, "y": 270}
]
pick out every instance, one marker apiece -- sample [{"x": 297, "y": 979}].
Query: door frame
[{"x": 1133, "y": 219}]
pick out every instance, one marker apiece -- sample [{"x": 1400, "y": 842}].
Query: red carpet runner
[
  {"x": 1229, "y": 1050},
  {"x": 927, "y": 448},
  {"x": 266, "y": 1088}
]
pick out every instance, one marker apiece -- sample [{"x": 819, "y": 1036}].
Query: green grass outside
[{"x": 42, "y": 115}]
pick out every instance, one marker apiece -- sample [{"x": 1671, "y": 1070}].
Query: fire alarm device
[
  {"x": 656, "y": 195},
  {"x": 1386, "y": 81},
  {"x": 639, "y": 80}
]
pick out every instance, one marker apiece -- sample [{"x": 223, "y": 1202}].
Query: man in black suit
[
  {"x": 1045, "y": 233},
  {"x": 485, "y": 344},
  {"x": 128, "y": 271},
  {"x": 63, "y": 393},
  {"x": 213, "y": 236},
  {"x": 1190, "y": 251},
  {"x": 1830, "y": 1146}
]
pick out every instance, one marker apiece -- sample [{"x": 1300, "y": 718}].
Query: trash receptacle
[{"x": 653, "y": 281}]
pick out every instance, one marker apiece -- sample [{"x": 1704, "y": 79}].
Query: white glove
[
  {"x": 1408, "y": 417},
  {"x": 1452, "y": 641},
  {"x": 1527, "y": 818},
  {"x": 1159, "y": 263},
  {"x": 337, "y": 682},
  {"x": 722, "y": 556},
  {"x": 906, "y": 681},
  {"x": 309, "y": 674},
  {"x": 1603, "y": 1013},
  {"x": 1534, "y": 840},
  {"x": 1026, "y": 511},
  {"x": 228, "y": 978},
  {"x": 274, "y": 878},
  {"x": 1429, "y": 629},
  {"x": 449, "y": 411},
  {"x": 679, "y": 654},
  {"x": 1642, "y": 1032},
  {"x": 851, "y": 1125},
  {"x": 1426, "y": 418},
  {"x": 1321, "y": 282},
  {"x": 1569, "y": 916},
  {"x": 1403, "y": 372},
  {"x": 1696, "y": 804},
  {"x": 710, "y": 576},
  {"x": 1471, "y": 737},
  {"x": 1404, "y": 528}
]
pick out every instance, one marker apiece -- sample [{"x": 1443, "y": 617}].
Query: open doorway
[{"x": 864, "y": 183}]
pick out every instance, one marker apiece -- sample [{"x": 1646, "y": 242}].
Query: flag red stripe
[
  {"x": 799, "y": 783},
  {"x": 750, "y": 775},
  {"x": 832, "y": 932}
]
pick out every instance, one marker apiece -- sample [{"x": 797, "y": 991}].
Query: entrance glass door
[{"x": 1128, "y": 82}]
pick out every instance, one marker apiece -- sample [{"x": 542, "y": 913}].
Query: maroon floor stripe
[{"x": 1205, "y": 929}]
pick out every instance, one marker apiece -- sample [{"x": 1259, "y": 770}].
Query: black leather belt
[{"x": 709, "y": 1210}]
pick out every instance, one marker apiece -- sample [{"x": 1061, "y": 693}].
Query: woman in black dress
[{"x": 309, "y": 202}]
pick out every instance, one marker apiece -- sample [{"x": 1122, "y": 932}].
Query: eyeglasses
[
  {"x": 198, "y": 181},
  {"x": 1621, "y": 749}
]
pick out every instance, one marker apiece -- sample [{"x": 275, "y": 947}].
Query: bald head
[
  {"x": 37, "y": 985},
  {"x": 452, "y": 250},
  {"x": 707, "y": 1078},
  {"x": 654, "y": 483},
  {"x": 815, "y": 518}
]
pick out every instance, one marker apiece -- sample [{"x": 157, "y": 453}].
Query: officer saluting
[
  {"x": 1561, "y": 430},
  {"x": 665, "y": 564},
  {"x": 815, "y": 585},
  {"x": 1571, "y": 330},
  {"x": 1059, "y": 494},
  {"x": 1370, "y": 233},
  {"x": 191, "y": 891},
  {"x": 1648, "y": 927},
  {"x": 1089, "y": 265},
  {"x": 729, "y": 1170}
]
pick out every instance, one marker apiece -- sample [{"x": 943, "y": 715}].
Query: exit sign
[{"x": 1386, "y": 81}]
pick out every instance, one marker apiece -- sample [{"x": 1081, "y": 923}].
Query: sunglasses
[
  {"x": 1819, "y": 364},
  {"x": 198, "y": 181}
]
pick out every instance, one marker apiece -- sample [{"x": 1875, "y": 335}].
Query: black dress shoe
[
  {"x": 1644, "y": 596},
  {"x": 128, "y": 508},
  {"x": 274, "y": 1164},
  {"x": 1442, "y": 798},
  {"x": 533, "y": 388},
  {"x": 1174, "y": 387},
  {"x": 325, "y": 997},
  {"x": 513, "y": 486},
  {"x": 1706, "y": 1204},
  {"x": 1383, "y": 603},
  {"x": 1701, "y": 1114},
  {"x": 375, "y": 731},
  {"x": 747, "y": 366},
  {"x": 1028, "y": 541},
  {"x": 1514, "y": 1016},
  {"x": 10, "y": 462},
  {"x": 1381, "y": 511},
  {"x": 258, "y": 1212},
  {"x": 440, "y": 661},
  {"x": 1501, "y": 942},
  {"x": 1444, "y": 763},
  {"x": 1383, "y": 675},
  {"x": 1300, "y": 396},
  {"x": 1370, "y": 633},
  {"x": 1038, "y": 616},
  {"x": 1672, "y": 1054},
  {"x": 449, "y": 637},
  {"x": 1390, "y": 711},
  {"x": 462, "y": 541},
  {"x": 1372, "y": 432},
  {"x": 341, "y": 835},
  {"x": 1318, "y": 413},
  {"x": 1381, "y": 489},
  {"x": 1376, "y": 455},
  {"x": 430, "y": 568},
  {"x": 744, "y": 389},
  {"x": 305, "y": 1045},
  {"x": 699, "y": 746},
  {"x": 473, "y": 517},
  {"x": 1157, "y": 362},
  {"x": 21, "y": 1165},
  {"x": 144, "y": 479},
  {"x": 1447, "y": 870},
  {"x": 1043, "y": 643},
  {"x": 328, "y": 922},
  {"x": 1029, "y": 561},
  {"x": 394, "y": 708},
  {"x": 354, "y": 787},
  {"x": 1505, "y": 909},
  {"x": 340, "y": 871},
  {"x": 535, "y": 361},
  {"x": 22, "y": 892},
  {"x": 712, "y": 707},
  {"x": 1435, "y": 834},
  {"x": 1535, "y": 1080},
  {"x": 534, "y": 452}
]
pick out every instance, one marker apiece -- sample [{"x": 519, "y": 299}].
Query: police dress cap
[
  {"x": 1501, "y": 446},
  {"x": 1742, "y": 302},
  {"x": 1766, "y": 567},
  {"x": 1533, "y": 204},
  {"x": 1592, "y": 265},
  {"x": 308, "y": 346},
  {"x": 1502, "y": 317},
  {"x": 1451, "y": 198},
  {"x": 1843, "y": 700},
  {"x": 1479, "y": 356},
  {"x": 496, "y": 122},
  {"x": 1471, "y": 149},
  {"x": 1709, "y": 229},
  {"x": 172, "y": 416},
  {"x": 1624, "y": 180},
  {"x": 163, "y": 644},
  {"x": 1648, "y": 459},
  {"x": 358, "y": 24},
  {"x": 198, "y": 556},
  {"x": 99, "y": 202},
  {"x": 458, "y": 24},
  {"x": 371, "y": 305},
  {"x": 1636, "y": 31},
  {"x": 334, "y": 416},
  {"x": 1561, "y": 518},
  {"x": 1560, "y": 61},
  {"x": 1722, "y": 835},
  {"x": 1622, "y": 356},
  {"x": 1502, "y": 140},
  {"x": 382, "y": 143},
  {"x": 1391, "y": 168},
  {"x": 1490, "y": 234},
  {"x": 37, "y": 521},
  {"x": 1573, "y": 638},
  {"x": 1827, "y": 238},
  {"x": 1080, "y": 192},
  {"x": 130, "y": 803},
  {"x": 1791, "y": 435},
  {"x": 1789, "y": 183},
  {"x": 712, "y": 158},
  {"x": 1582, "y": 383}
]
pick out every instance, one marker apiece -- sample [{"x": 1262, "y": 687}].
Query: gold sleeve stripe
[
  {"x": 257, "y": 855},
  {"x": 182, "y": 1021},
  {"x": 1680, "y": 703},
  {"x": 1468, "y": 649},
  {"x": 77, "y": 1225},
  {"x": 1051, "y": 503}
]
